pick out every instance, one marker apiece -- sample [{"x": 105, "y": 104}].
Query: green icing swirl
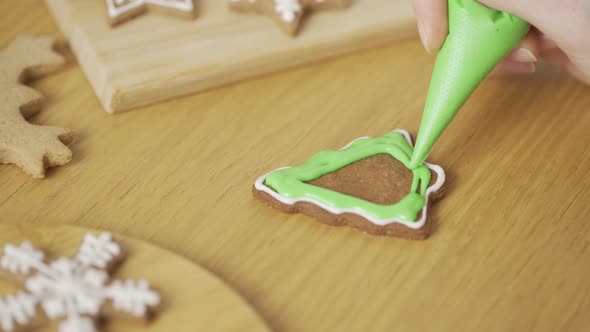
[{"x": 291, "y": 182}]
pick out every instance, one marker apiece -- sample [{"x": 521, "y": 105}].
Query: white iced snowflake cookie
[
  {"x": 120, "y": 11},
  {"x": 287, "y": 13},
  {"x": 74, "y": 291}
]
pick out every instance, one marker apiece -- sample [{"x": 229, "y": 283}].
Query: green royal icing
[
  {"x": 479, "y": 37},
  {"x": 290, "y": 182}
]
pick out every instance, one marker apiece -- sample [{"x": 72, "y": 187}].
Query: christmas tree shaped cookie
[{"x": 366, "y": 185}]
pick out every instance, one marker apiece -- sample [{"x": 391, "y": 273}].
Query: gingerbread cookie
[
  {"x": 33, "y": 148},
  {"x": 287, "y": 13},
  {"x": 366, "y": 185},
  {"x": 120, "y": 11},
  {"x": 75, "y": 291}
]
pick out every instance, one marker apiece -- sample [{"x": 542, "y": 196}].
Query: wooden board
[
  {"x": 155, "y": 57},
  {"x": 193, "y": 298}
]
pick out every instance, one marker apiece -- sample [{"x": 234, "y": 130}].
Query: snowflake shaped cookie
[
  {"x": 287, "y": 13},
  {"x": 120, "y": 11},
  {"x": 73, "y": 290}
]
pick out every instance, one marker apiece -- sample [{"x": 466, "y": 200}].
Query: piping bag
[{"x": 479, "y": 38}]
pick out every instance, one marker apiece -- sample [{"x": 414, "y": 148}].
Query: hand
[{"x": 560, "y": 36}]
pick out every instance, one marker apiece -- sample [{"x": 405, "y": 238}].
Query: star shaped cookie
[
  {"x": 120, "y": 11},
  {"x": 288, "y": 14}
]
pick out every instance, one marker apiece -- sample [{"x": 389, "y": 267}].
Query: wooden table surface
[{"x": 511, "y": 245}]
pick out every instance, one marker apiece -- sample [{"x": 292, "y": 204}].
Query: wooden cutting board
[
  {"x": 156, "y": 57},
  {"x": 193, "y": 299}
]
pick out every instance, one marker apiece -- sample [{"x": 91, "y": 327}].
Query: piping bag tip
[{"x": 479, "y": 38}]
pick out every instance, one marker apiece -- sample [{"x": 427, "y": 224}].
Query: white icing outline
[
  {"x": 114, "y": 11},
  {"x": 440, "y": 180},
  {"x": 288, "y": 9}
]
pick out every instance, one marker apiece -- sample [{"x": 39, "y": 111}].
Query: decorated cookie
[
  {"x": 120, "y": 11},
  {"x": 287, "y": 13},
  {"x": 33, "y": 148},
  {"x": 74, "y": 291},
  {"x": 366, "y": 185}
]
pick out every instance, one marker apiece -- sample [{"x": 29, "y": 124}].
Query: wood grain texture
[
  {"x": 511, "y": 242},
  {"x": 154, "y": 57},
  {"x": 192, "y": 298}
]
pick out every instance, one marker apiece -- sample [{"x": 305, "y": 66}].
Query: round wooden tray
[{"x": 193, "y": 299}]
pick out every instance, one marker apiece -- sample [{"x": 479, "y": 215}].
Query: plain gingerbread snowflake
[{"x": 74, "y": 291}]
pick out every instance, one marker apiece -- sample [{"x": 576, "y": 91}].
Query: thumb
[{"x": 566, "y": 22}]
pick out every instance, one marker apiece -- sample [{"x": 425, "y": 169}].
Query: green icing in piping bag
[{"x": 479, "y": 38}]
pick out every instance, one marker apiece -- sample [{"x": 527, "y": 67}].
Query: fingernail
[
  {"x": 532, "y": 68},
  {"x": 524, "y": 55},
  {"x": 423, "y": 35},
  {"x": 514, "y": 68}
]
